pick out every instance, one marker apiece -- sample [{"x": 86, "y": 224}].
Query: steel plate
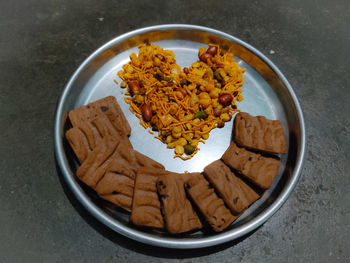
[{"x": 266, "y": 92}]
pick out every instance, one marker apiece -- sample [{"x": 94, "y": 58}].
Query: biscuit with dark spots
[
  {"x": 209, "y": 204},
  {"x": 178, "y": 212},
  {"x": 258, "y": 169},
  {"x": 236, "y": 194},
  {"x": 107, "y": 106},
  {"x": 260, "y": 134}
]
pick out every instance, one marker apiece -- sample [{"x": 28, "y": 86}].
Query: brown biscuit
[
  {"x": 117, "y": 185},
  {"x": 257, "y": 168},
  {"x": 109, "y": 163},
  {"x": 209, "y": 204},
  {"x": 97, "y": 162},
  {"x": 107, "y": 106},
  {"x": 259, "y": 133},
  {"x": 85, "y": 137},
  {"x": 146, "y": 205},
  {"x": 79, "y": 143},
  {"x": 236, "y": 194},
  {"x": 178, "y": 212}
]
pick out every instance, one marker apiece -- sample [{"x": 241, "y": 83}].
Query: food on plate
[
  {"x": 179, "y": 215},
  {"x": 93, "y": 122},
  {"x": 259, "y": 133},
  {"x": 259, "y": 169},
  {"x": 146, "y": 205},
  {"x": 182, "y": 105},
  {"x": 108, "y": 161},
  {"x": 209, "y": 204},
  {"x": 236, "y": 194},
  {"x": 158, "y": 198}
]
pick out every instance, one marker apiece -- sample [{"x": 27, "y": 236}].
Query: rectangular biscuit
[
  {"x": 85, "y": 137},
  {"x": 146, "y": 205},
  {"x": 210, "y": 205},
  {"x": 107, "y": 106},
  {"x": 259, "y": 133},
  {"x": 236, "y": 194},
  {"x": 179, "y": 215},
  {"x": 257, "y": 168}
]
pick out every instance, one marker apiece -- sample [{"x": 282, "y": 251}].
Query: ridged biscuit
[
  {"x": 236, "y": 194},
  {"x": 209, "y": 204},
  {"x": 178, "y": 212},
  {"x": 259, "y": 133},
  {"x": 146, "y": 205},
  {"x": 257, "y": 168}
]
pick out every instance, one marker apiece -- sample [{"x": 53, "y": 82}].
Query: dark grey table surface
[{"x": 42, "y": 43}]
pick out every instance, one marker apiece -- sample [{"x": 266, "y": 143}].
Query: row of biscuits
[
  {"x": 162, "y": 199},
  {"x": 99, "y": 139}
]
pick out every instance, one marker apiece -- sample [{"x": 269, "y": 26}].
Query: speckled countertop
[{"x": 42, "y": 43}]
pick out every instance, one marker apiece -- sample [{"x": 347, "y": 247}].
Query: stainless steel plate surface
[{"x": 266, "y": 92}]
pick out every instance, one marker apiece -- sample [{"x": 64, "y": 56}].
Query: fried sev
[{"x": 182, "y": 105}]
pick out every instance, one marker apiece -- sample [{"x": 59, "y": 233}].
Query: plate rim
[{"x": 173, "y": 242}]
